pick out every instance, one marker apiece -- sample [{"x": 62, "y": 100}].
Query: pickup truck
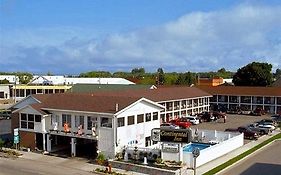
[{"x": 261, "y": 130}]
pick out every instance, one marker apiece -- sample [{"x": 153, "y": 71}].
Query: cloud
[{"x": 198, "y": 41}]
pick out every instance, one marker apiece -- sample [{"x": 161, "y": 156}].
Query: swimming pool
[{"x": 191, "y": 146}]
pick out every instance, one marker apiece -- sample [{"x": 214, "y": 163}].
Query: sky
[{"x": 74, "y": 36}]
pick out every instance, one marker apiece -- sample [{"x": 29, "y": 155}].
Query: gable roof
[{"x": 242, "y": 90}]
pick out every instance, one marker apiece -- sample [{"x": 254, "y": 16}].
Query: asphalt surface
[
  {"x": 232, "y": 121},
  {"x": 22, "y": 166},
  {"x": 266, "y": 161}
]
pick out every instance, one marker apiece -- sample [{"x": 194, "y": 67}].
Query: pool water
[{"x": 191, "y": 146}]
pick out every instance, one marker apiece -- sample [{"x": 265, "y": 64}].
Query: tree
[
  {"x": 138, "y": 72},
  {"x": 185, "y": 79},
  {"x": 277, "y": 74},
  {"x": 253, "y": 74},
  {"x": 5, "y": 81},
  {"x": 160, "y": 77}
]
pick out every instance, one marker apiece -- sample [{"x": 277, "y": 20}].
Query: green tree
[
  {"x": 185, "y": 79},
  {"x": 138, "y": 72},
  {"x": 160, "y": 80},
  {"x": 96, "y": 74},
  {"x": 253, "y": 74},
  {"x": 277, "y": 73},
  {"x": 5, "y": 81},
  {"x": 24, "y": 77}
]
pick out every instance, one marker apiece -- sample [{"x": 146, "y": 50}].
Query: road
[
  {"x": 266, "y": 161},
  {"x": 32, "y": 167}
]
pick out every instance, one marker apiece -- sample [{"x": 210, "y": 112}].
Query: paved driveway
[
  {"x": 232, "y": 121},
  {"x": 265, "y": 162}
]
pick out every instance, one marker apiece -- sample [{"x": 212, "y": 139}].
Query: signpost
[
  {"x": 16, "y": 137},
  {"x": 195, "y": 153}
]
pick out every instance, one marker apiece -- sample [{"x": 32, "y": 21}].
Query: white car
[
  {"x": 193, "y": 119},
  {"x": 266, "y": 125},
  {"x": 169, "y": 126}
]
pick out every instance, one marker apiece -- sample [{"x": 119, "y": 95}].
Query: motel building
[
  {"x": 83, "y": 124},
  {"x": 250, "y": 98}
]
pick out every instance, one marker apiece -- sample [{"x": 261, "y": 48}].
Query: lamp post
[{"x": 195, "y": 153}]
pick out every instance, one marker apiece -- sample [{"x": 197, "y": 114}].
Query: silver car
[{"x": 169, "y": 126}]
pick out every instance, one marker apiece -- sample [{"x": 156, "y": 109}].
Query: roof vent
[{"x": 116, "y": 107}]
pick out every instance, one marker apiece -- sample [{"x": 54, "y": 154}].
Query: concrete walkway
[
  {"x": 75, "y": 163},
  {"x": 208, "y": 166}
]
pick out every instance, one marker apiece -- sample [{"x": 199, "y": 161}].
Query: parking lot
[{"x": 232, "y": 121}]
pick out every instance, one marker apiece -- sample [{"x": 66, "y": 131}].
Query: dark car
[
  {"x": 261, "y": 130},
  {"x": 276, "y": 118},
  {"x": 269, "y": 121},
  {"x": 205, "y": 117},
  {"x": 248, "y": 133},
  {"x": 258, "y": 112},
  {"x": 181, "y": 122}
]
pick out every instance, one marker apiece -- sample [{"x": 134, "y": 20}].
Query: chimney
[{"x": 116, "y": 107}]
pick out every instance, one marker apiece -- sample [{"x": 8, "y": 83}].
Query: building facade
[
  {"x": 249, "y": 98},
  {"x": 97, "y": 122}
]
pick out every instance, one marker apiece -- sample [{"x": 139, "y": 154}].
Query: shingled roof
[
  {"x": 159, "y": 94},
  {"x": 242, "y": 90},
  {"x": 105, "y": 102},
  {"x": 83, "y": 102}
]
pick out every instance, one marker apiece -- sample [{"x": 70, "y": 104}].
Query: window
[
  {"x": 121, "y": 121},
  {"x": 28, "y": 92},
  {"x": 66, "y": 118},
  {"x": 39, "y": 91},
  {"x": 140, "y": 118},
  {"x": 106, "y": 122},
  {"x": 27, "y": 121},
  {"x": 79, "y": 120},
  {"x": 147, "y": 141},
  {"x": 155, "y": 115},
  {"x": 131, "y": 120},
  {"x": 148, "y": 117},
  {"x": 30, "y": 117},
  {"x": 91, "y": 122},
  {"x": 33, "y": 91},
  {"x": 23, "y": 122},
  {"x": 23, "y": 116},
  {"x": 37, "y": 118}
]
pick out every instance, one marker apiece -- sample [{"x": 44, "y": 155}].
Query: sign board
[
  {"x": 155, "y": 134},
  {"x": 196, "y": 152},
  {"x": 16, "y": 139},
  {"x": 170, "y": 147},
  {"x": 16, "y": 131},
  {"x": 171, "y": 135}
]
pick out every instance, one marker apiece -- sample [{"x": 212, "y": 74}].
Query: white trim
[
  {"x": 74, "y": 111},
  {"x": 29, "y": 96},
  {"x": 27, "y": 106},
  {"x": 141, "y": 99}
]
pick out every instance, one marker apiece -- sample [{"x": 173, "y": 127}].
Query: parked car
[
  {"x": 206, "y": 116},
  {"x": 169, "y": 126},
  {"x": 266, "y": 125},
  {"x": 217, "y": 115},
  {"x": 181, "y": 122},
  {"x": 248, "y": 133},
  {"x": 261, "y": 130},
  {"x": 272, "y": 122},
  {"x": 258, "y": 112},
  {"x": 193, "y": 119},
  {"x": 276, "y": 118}
]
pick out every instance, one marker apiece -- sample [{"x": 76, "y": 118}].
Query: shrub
[
  {"x": 1, "y": 144},
  {"x": 101, "y": 159}
]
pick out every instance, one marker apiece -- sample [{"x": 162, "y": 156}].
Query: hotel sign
[{"x": 171, "y": 135}]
